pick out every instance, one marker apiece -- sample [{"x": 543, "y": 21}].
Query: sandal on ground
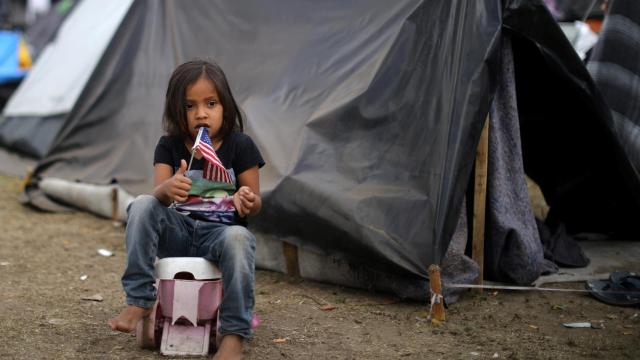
[{"x": 621, "y": 289}]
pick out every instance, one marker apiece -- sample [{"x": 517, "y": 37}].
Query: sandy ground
[{"x": 43, "y": 315}]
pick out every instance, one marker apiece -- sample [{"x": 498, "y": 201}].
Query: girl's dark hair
[{"x": 175, "y": 117}]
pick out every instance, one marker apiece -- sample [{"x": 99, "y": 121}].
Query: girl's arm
[
  {"x": 169, "y": 187},
  {"x": 247, "y": 199}
]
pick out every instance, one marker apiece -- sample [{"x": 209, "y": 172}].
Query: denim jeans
[{"x": 156, "y": 230}]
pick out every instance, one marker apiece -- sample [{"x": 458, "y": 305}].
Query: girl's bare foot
[
  {"x": 230, "y": 348},
  {"x": 128, "y": 319}
]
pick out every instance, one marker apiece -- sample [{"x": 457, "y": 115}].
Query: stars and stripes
[{"x": 213, "y": 170}]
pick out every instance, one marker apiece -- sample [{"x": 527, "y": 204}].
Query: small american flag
[{"x": 213, "y": 170}]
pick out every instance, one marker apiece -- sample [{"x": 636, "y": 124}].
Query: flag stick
[
  {"x": 191, "y": 160},
  {"x": 193, "y": 150}
]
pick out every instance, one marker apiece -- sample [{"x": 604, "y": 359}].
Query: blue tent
[{"x": 10, "y": 70}]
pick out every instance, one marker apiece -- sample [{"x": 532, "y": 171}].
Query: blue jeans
[{"x": 156, "y": 230}]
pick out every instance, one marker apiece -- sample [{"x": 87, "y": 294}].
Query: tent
[
  {"x": 368, "y": 115},
  {"x": 617, "y": 74},
  {"x": 33, "y": 117},
  {"x": 14, "y": 62}
]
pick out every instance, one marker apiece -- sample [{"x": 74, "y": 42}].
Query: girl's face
[{"x": 203, "y": 108}]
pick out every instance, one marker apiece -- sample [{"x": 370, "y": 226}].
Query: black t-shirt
[{"x": 238, "y": 152}]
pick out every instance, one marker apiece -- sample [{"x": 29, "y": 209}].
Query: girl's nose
[{"x": 200, "y": 112}]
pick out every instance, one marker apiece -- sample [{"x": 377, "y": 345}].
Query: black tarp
[
  {"x": 30, "y": 136},
  {"x": 615, "y": 67},
  {"x": 368, "y": 113},
  {"x": 569, "y": 145}
]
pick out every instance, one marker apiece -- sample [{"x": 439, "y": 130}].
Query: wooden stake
[
  {"x": 437, "y": 301},
  {"x": 291, "y": 259},
  {"x": 27, "y": 179},
  {"x": 480, "y": 200},
  {"x": 114, "y": 204}
]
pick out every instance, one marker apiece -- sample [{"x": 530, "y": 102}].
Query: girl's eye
[
  {"x": 188, "y": 106},
  {"x": 212, "y": 103}
]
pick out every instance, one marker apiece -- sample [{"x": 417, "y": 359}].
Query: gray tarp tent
[
  {"x": 39, "y": 107},
  {"x": 368, "y": 115}
]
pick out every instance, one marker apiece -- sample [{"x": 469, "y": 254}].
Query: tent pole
[{"x": 479, "y": 200}]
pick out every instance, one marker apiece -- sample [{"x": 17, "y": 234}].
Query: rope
[
  {"x": 532, "y": 288},
  {"x": 435, "y": 299}
]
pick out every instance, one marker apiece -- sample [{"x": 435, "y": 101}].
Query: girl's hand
[
  {"x": 177, "y": 187},
  {"x": 244, "y": 200}
]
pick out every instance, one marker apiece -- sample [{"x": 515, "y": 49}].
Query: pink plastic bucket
[{"x": 209, "y": 297}]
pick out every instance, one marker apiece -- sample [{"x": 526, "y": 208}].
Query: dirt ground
[{"x": 44, "y": 257}]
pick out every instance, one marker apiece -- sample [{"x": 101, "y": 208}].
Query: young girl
[{"x": 173, "y": 222}]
